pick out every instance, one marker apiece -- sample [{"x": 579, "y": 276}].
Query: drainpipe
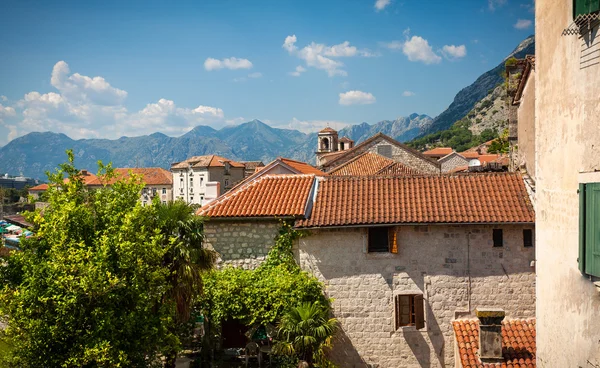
[{"x": 469, "y": 269}]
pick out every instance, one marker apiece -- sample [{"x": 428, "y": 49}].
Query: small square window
[
  {"x": 528, "y": 238},
  {"x": 164, "y": 190},
  {"x": 191, "y": 199},
  {"x": 498, "y": 237},
  {"x": 409, "y": 311},
  {"x": 382, "y": 239}
]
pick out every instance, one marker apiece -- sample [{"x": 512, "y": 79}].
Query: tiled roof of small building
[
  {"x": 267, "y": 196},
  {"x": 205, "y": 161},
  {"x": 396, "y": 169},
  {"x": 301, "y": 167},
  {"x": 346, "y": 139},
  {"x": 438, "y": 152},
  {"x": 150, "y": 176},
  {"x": 518, "y": 343},
  {"x": 88, "y": 179},
  {"x": 470, "y": 198},
  {"x": 368, "y": 163},
  {"x": 328, "y": 130},
  {"x": 38, "y": 188},
  {"x": 252, "y": 165}
]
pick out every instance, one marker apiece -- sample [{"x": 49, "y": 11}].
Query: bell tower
[{"x": 327, "y": 142}]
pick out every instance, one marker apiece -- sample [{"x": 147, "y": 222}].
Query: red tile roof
[
  {"x": 518, "y": 343},
  {"x": 88, "y": 179},
  {"x": 150, "y": 176},
  {"x": 346, "y": 139},
  {"x": 267, "y": 196},
  {"x": 38, "y": 188},
  {"x": 396, "y": 169},
  {"x": 468, "y": 198},
  {"x": 469, "y": 155},
  {"x": 438, "y": 152},
  {"x": 367, "y": 163},
  {"x": 301, "y": 167},
  {"x": 328, "y": 130},
  {"x": 205, "y": 161}
]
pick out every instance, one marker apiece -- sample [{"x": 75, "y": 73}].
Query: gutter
[{"x": 413, "y": 224}]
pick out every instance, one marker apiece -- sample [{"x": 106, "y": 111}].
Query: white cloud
[
  {"x": 381, "y": 4},
  {"x": 3, "y": 98},
  {"x": 232, "y": 63},
  {"x": 408, "y": 93},
  {"x": 418, "y": 49},
  {"x": 394, "y": 45},
  {"x": 523, "y": 24},
  {"x": 255, "y": 75},
  {"x": 454, "y": 52},
  {"x": 321, "y": 56},
  {"x": 87, "y": 107},
  {"x": 309, "y": 126},
  {"x": 299, "y": 70},
  {"x": 494, "y": 4},
  {"x": 356, "y": 98}
]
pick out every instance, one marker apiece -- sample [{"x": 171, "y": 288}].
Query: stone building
[
  {"x": 400, "y": 256},
  {"x": 452, "y": 162},
  {"x": 191, "y": 176},
  {"x": 370, "y": 163},
  {"x": 567, "y": 151},
  {"x": 381, "y": 144},
  {"x": 250, "y": 167}
]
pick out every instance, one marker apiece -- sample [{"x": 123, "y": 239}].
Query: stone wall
[
  {"x": 525, "y": 153},
  {"x": 453, "y": 271},
  {"x": 452, "y": 162},
  {"x": 399, "y": 154},
  {"x": 567, "y": 113},
  {"x": 241, "y": 243}
]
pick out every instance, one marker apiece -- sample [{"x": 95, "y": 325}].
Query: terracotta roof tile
[
  {"x": 396, "y": 169},
  {"x": 252, "y": 165},
  {"x": 367, "y": 163},
  {"x": 150, "y": 176},
  {"x": 438, "y": 152},
  {"x": 267, "y": 196},
  {"x": 40, "y": 187},
  {"x": 301, "y": 167},
  {"x": 205, "y": 161},
  {"x": 88, "y": 179},
  {"x": 468, "y": 198},
  {"x": 328, "y": 130},
  {"x": 346, "y": 139},
  {"x": 518, "y": 343}
]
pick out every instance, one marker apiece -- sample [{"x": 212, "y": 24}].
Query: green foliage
[
  {"x": 12, "y": 195},
  {"x": 500, "y": 145},
  {"x": 264, "y": 294},
  {"x": 512, "y": 61},
  {"x": 306, "y": 331},
  {"x": 459, "y": 137}
]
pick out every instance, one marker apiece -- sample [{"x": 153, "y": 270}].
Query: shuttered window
[
  {"x": 589, "y": 229},
  {"x": 498, "y": 237},
  {"x": 582, "y": 7},
  {"x": 382, "y": 239},
  {"x": 409, "y": 311},
  {"x": 528, "y": 238}
]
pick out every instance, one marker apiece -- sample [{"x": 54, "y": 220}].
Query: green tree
[
  {"x": 306, "y": 331},
  {"x": 88, "y": 289},
  {"x": 186, "y": 259},
  {"x": 500, "y": 144}
]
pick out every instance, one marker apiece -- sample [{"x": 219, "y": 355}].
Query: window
[
  {"x": 582, "y": 7},
  {"x": 191, "y": 199},
  {"x": 341, "y": 146},
  {"x": 144, "y": 203},
  {"x": 497, "y": 236},
  {"x": 227, "y": 167},
  {"x": 201, "y": 198},
  {"x": 191, "y": 181},
  {"x": 589, "y": 229},
  {"x": 164, "y": 190},
  {"x": 201, "y": 180},
  {"x": 528, "y": 238},
  {"x": 164, "y": 202},
  {"x": 226, "y": 183},
  {"x": 153, "y": 191},
  {"x": 181, "y": 181},
  {"x": 382, "y": 239},
  {"x": 385, "y": 150},
  {"x": 409, "y": 311}
]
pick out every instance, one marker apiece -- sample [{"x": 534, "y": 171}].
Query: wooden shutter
[
  {"x": 592, "y": 231},
  {"x": 419, "y": 311},
  {"x": 393, "y": 242},
  {"x": 581, "y": 259},
  {"x": 581, "y": 7},
  {"x": 397, "y": 311}
]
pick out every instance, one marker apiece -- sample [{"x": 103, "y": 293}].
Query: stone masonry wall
[
  {"x": 453, "y": 270},
  {"x": 453, "y": 162},
  {"x": 241, "y": 244}
]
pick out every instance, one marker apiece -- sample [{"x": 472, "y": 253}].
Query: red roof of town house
[
  {"x": 469, "y": 155},
  {"x": 368, "y": 163},
  {"x": 88, "y": 179},
  {"x": 518, "y": 344},
  {"x": 267, "y": 196},
  {"x": 438, "y": 152},
  {"x": 150, "y": 176},
  {"x": 39, "y": 188},
  {"x": 397, "y": 168},
  {"x": 205, "y": 161},
  {"x": 468, "y": 198},
  {"x": 301, "y": 167}
]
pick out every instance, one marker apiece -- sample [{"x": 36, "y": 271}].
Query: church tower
[{"x": 327, "y": 142}]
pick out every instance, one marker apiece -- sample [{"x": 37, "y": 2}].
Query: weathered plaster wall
[
  {"x": 567, "y": 142},
  {"x": 241, "y": 243},
  {"x": 526, "y": 127},
  {"x": 434, "y": 260}
]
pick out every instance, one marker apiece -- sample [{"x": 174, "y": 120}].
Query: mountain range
[{"x": 35, "y": 153}]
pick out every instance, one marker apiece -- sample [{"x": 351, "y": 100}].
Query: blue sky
[{"x": 112, "y": 68}]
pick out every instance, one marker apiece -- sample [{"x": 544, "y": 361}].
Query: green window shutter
[
  {"x": 581, "y": 259},
  {"x": 592, "y": 231},
  {"x": 581, "y": 7}
]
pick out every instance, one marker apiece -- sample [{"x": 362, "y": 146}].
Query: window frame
[
  {"x": 497, "y": 240},
  {"x": 416, "y": 313},
  {"x": 391, "y": 240}
]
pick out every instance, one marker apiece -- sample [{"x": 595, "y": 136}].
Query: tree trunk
[{"x": 170, "y": 359}]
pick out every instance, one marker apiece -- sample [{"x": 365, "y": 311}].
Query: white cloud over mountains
[
  {"x": 418, "y": 49},
  {"x": 356, "y": 98},
  {"x": 321, "y": 56},
  {"x": 86, "y": 107},
  {"x": 231, "y": 63}
]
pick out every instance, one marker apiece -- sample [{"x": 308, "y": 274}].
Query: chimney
[
  {"x": 83, "y": 172},
  {"x": 213, "y": 191},
  {"x": 490, "y": 334}
]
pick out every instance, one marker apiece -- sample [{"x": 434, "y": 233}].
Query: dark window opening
[
  {"x": 409, "y": 311},
  {"x": 325, "y": 143},
  {"x": 528, "y": 238},
  {"x": 379, "y": 239},
  {"x": 497, "y": 235}
]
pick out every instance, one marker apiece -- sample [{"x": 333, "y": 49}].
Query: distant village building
[
  {"x": 370, "y": 163},
  {"x": 191, "y": 177},
  {"x": 567, "y": 172},
  {"x": 250, "y": 167},
  {"x": 16, "y": 182},
  {"x": 402, "y": 257},
  {"x": 438, "y": 152}
]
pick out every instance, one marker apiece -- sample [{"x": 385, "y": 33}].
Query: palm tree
[
  {"x": 185, "y": 257},
  {"x": 306, "y": 331}
]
